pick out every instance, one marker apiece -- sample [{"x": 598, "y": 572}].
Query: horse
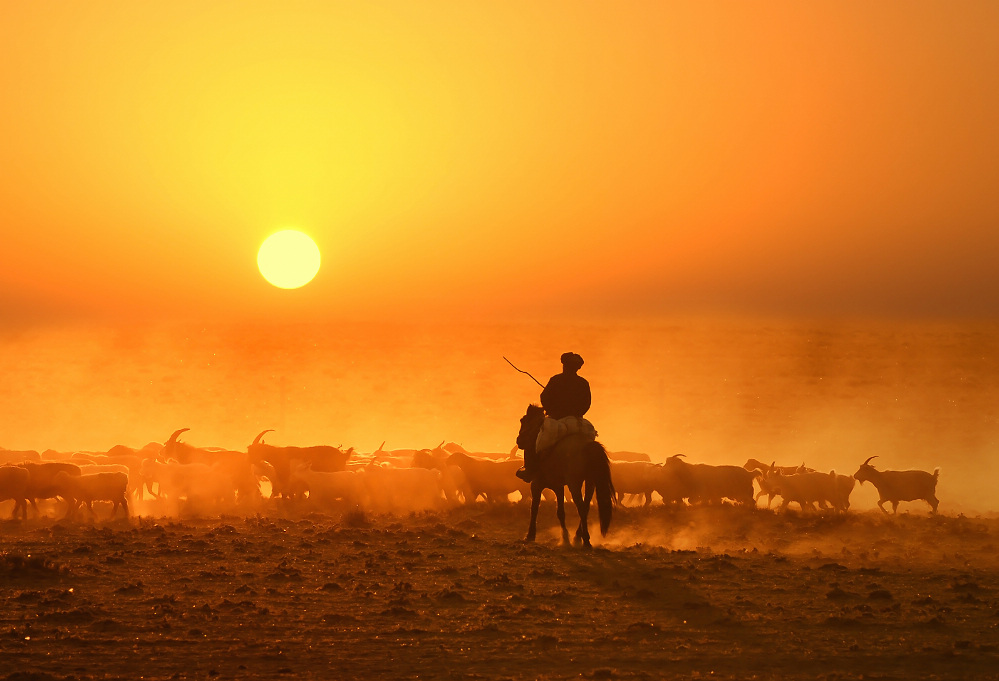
[{"x": 573, "y": 462}]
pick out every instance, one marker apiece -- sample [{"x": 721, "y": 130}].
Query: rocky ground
[{"x": 709, "y": 593}]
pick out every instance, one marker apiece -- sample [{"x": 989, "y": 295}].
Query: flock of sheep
[{"x": 326, "y": 478}]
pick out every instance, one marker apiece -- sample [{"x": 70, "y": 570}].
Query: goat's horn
[
  {"x": 869, "y": 460},
  {"x": 173, "y": 438},
  {"x": 256, "y": 440}
]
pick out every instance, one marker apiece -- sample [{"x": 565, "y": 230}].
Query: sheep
[
  {"x": 805, "y": 489},
  {"x": 453, "y": 480},
  {"x": 767, "y": 485},
  {"x": 635, "y": 477},
  {"x": 329, "y": 489},
  {"x": 90, "y": 487},
  {"x": 196, "y": 482},
  {"x": 41, "y": 480},
  {"x": 844, "y": 487},
  {"x": 897, "y": 486},
  {"x": 453, "y": 448},
  {"x": 14, "y": 485},
  {"x": 127, "y": 456},
  {"x": 709, "y": 484},
  {"x": 494, "y": 480},
  {"x": 635, "y": 457},
  {"x": 402, "y": 489},
  {"x": 89, "y": 469},
  {"x": 16, "y": 456}
]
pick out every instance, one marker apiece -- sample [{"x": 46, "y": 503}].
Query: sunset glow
[
  {"x": 830, "y": 158},
  {"x": 283, "y": 283}
]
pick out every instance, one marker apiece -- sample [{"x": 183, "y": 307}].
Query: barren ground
[{"x": 719, "y": 593}]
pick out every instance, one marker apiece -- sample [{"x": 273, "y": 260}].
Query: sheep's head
[{"x": 866, "y": 471}]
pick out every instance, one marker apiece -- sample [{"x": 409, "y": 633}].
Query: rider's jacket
[{"x": 567, "y": 394}]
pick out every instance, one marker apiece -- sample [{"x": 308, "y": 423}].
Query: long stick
[{"x": 524, "y": 372}]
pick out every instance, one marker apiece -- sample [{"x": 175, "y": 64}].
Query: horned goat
[{"x": 898, "y": 486}]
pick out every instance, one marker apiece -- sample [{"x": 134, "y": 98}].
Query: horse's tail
[{"x": 600, "y": 466}]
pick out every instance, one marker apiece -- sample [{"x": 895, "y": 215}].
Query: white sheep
[
  {"x": 330, "y": 489},
  {"x": 403, "y": 489}
]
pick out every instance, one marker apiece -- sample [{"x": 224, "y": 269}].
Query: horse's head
[{"x": 530, "y": 425}]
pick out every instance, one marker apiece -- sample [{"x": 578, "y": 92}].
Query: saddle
[{"x": 552, "y": 431}]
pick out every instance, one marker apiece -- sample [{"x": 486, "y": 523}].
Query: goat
[
  {"x": 231, "y": 465},
  {"x": 321, "y": 458},
  {"x": 14, "y": 485},
  {"x": 668, "y": 485},
  {"x": 897, "y": 486},
  {"x": 756, "y": 464}
]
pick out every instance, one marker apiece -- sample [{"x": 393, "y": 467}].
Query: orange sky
[{"x": 638, "y": 158}]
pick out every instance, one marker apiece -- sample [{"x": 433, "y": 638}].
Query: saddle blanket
[{"x": 554, "y": 430}]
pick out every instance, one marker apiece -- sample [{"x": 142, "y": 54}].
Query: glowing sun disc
[{"x": 288, "y": 259}]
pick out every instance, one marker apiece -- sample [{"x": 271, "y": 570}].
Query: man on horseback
[{"x": 565, "y": 399}]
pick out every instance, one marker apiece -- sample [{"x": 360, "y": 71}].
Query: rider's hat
[{"x": 571, "y": 360}]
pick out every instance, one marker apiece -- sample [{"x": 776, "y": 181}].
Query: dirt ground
[{"x": 707, "y": 593}]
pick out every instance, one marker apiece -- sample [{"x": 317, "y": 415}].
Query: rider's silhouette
[{"x": 566, "y": 394}]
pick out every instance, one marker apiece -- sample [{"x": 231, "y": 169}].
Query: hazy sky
[{"x": 626, "y": 157}]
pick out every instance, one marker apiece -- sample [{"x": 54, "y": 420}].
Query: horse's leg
[
  {"x": 560, "y": 512},
  {"x": 536, "y": 490},
  {"x": 582, "y": 533}
]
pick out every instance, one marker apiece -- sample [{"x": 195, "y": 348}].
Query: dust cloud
[{"x": 830, "y": 394}]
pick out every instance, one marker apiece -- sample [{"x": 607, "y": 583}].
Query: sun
[{"x": 288, "y": 259}]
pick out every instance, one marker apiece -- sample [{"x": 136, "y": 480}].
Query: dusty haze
[{"x": 719, "y": 391}]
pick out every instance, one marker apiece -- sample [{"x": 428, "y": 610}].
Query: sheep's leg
[
  {"x": 881, "y": 505},
  {"x": 71, "y": 506}
]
